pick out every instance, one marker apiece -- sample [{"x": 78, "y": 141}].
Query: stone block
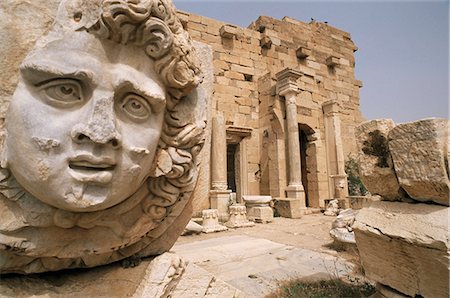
[
  {"x": 260, "y": 214},
  {"x": 332, "y": 61},
  {"x": 220, "y": 199},
  {"x": 290, "y": 208},
  {"x": 375, "y": 162},
  {"x": 420, "y": 154},
  {"x": 405, "y": 246},
  {"x": 228, "y": 31},
  {"x": 303, "y": 52}
]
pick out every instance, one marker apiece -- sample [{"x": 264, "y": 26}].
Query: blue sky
[{"x": 403, "y": 56}]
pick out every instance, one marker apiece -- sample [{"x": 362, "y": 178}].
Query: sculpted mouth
[
  {"x": 87, "y": 166},
  {"x": 92, "y": 169}
]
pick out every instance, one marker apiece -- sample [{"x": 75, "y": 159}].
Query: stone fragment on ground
[
  {"x": 257, "y": 266},
  {"x": 375, "y": 162},
  {"x": 341, "y": 229},
  {"x": 405, "y": 246},
  {"x": 332, "y": 208},
  {"x": 420, "y": 154},
  {"x": 192, "y": 228}
]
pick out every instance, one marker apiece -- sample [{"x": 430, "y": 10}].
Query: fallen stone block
[
  {"x": 289, "y": 207},
  {"x": 405, "y": 246},
  {"x": 375, "y": 162},
  {"x": 420, "y": 154}
]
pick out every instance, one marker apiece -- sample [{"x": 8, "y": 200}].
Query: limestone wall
[{"x": 245, "y": 63}]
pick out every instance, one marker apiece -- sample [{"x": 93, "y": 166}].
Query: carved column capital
[
  {"x": 330, "y": 108},
  {"x": 287, "y": 82}
]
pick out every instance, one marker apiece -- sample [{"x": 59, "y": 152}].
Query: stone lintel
[
  {"x": 287, "y": 81},
  {"x": 303, "y": 52},
  {"x": 228, "y": 31},
  {"x": 330, "y": 107},
  {"x": 240, "y": 131}
]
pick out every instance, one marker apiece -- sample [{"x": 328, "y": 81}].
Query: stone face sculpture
[{"x": 102, "y": 137}]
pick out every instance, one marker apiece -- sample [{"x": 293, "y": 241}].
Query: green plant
[
  {"x": 322, "y": 289},
  {"x": 355, "y": 186}
]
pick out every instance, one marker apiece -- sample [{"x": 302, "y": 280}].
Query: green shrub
[
  {"x": 333, "y": 288},
  {"x": 355, "y": 186}
]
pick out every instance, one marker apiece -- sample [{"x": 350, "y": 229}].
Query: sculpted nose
[{"x": 101, "y": 126}]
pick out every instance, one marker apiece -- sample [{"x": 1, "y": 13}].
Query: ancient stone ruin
[
  {"x": 122, "y": 120},
  {"x": 403, "y": 240}
]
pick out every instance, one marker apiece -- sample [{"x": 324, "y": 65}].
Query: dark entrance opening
[
  {"x": 303, "y": 138},
  {"x": 231, "y": 166}
]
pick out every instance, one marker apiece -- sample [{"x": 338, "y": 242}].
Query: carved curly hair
[{"x": 153, "y": 26}]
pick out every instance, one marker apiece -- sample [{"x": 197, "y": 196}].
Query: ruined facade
[{"x": 284, "y": 109}]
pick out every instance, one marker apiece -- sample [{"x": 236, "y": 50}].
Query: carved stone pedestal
[
  {"x": 238, "y": 217},
  {"x": 219, "y": 200},
  {"x": 211, "y": 221},
  {"x": 258, "y": 208}
]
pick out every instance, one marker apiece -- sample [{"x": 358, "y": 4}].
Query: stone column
[
  {"x": 219, "y": 194},
  {"x": 335, "y": 150},
  {"x": 288, "y": 88}
]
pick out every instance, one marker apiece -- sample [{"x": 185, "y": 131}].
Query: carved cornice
[{"x": 287, "y": 81}]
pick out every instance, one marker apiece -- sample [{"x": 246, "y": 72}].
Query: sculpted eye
[
  {"x": 135, "y": 107},
  {"x": 62, "y": 92}
]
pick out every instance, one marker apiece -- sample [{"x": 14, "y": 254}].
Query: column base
[
  {"x": 296, "y": 192},
  {"x": 220, "y": 200}
]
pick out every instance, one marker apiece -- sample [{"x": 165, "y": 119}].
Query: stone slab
[
  {"x": 420, "y": 154},
  {"x": 405, "y": 246},
  {"x": 156, "y": 278},
  {"x": 256, "y": 266}
]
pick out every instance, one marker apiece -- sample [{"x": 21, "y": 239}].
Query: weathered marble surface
[
  {"x": 420, "y": 152},
  {"x": 103, "y": 131},
  {"x": 405, "y": 246}
]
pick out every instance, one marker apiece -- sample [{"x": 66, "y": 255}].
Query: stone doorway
[
  {"x": 308, "y": 160},
  {"x": 237, "y": 160},
  {"x": 231, "y": 166}
]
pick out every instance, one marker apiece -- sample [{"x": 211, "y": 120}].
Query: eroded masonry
[{"x": 282, "y": 117}]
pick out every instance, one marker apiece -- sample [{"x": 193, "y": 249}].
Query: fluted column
[{"x": 288, "y": 88}]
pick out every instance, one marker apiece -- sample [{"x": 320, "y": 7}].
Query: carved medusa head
[{"x": 100, "y": 152}]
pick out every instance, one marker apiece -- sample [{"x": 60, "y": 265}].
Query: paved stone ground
[{"x": 256, "y": 259}]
